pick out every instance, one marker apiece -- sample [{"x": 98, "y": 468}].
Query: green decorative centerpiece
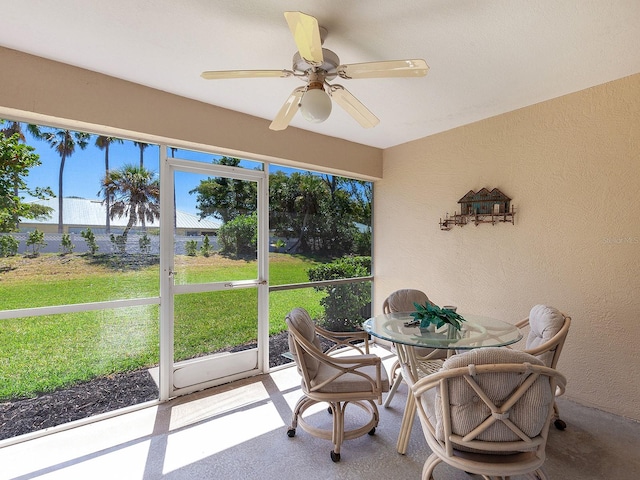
[{"x": 429, "y": 314}]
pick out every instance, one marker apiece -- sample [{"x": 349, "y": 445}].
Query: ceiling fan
[{"x": 316, "y": 66}]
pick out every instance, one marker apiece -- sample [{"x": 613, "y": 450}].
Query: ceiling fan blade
[
  {"x": 306, "y": 34},
  {"x": 353, "y": 106},
  {"x": 386, "y": 69},
  {"x": 219, "y": 75},
  {"x": 288, "y": 110}
]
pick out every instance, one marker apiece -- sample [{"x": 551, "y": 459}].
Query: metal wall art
[{"x": 483, "y": 206}]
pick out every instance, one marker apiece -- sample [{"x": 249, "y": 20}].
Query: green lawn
[{"x": 41, "y": 354}]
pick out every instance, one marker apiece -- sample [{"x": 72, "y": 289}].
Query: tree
[
  {"x": 360, "y": 193},
  {"x": 64, "y": 142},
  {"x": 103, "y": 143},
  {"x": 16, "y": 159},
  {"x": 134, "y": 192},
  {"x": 141, "y": 146},
  {"x": 294, "y": 206},
  {"x": 225, "y": 198},
  {"x": 12, "y": 128},
  {"x": 321, "y": 212},
  {"x": 15, "y": 128}
]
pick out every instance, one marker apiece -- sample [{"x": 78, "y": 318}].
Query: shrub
[
  {"x": 8, "y": 246},
  {"x": 240, "y": 235},
  {"x": 191, "y": 248},
  {"x": 90, "y": 238},
  {"x": 35, "y": 240},
  {"x": 66, "y": 245},
  {"x": 206, "y": 247},
  {"x": 145, "y": 244},
  {"x": 345, "y": 306},
  {"x": 279, "y": 245},
  {"x": 119, "y": 242}
]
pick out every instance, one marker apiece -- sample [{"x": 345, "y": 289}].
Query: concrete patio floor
[{"x": 238, "y": 431}]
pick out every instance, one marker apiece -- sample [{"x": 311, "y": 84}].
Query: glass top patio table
[{"x": 476, "y": 331}]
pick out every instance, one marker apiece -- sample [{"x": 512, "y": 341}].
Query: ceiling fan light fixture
[{"x": 315, "y": 105}]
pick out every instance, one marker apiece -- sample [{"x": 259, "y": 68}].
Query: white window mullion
[{"x": 166, "y": 275}]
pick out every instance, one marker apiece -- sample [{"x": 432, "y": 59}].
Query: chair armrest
[
  {"x": 346, "y": 360},
  {"x": 345, "y": 339},
  {"x": 361, "y": 360},
  {"x": 560, "y": 388}
]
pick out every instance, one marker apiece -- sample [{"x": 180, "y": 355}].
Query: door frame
[{"x": 259, "y": 356}]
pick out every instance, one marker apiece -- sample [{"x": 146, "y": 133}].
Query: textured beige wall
[
  {"x": 572, "y": 167},
  {"x": 38, "y": 90}
]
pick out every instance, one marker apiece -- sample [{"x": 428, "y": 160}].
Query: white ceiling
[{"x": 486, "y": 57}]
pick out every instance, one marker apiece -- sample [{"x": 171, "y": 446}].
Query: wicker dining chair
[
  {"x": 546, "y": 330},
  {"x": 358, "y": 379},
  {"x": 430, "y": 359},
  {"x": 487, "y": 412}
]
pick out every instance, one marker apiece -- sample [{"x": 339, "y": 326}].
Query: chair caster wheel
[
  {"x": 291, "y": 432},
  {"x": 560, "y": 424},
  {"x": 372, "y": 431},
  {"x": 335, "y": 457}
]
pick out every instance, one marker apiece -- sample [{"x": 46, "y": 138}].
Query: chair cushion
[
  {"x": 468, "y": 410},
  {"x": 544, "y": 323},
  {"x": 299, "y": 319},
  {"x": 350, "y": 382},
  {"x": 403, "y": 300}
]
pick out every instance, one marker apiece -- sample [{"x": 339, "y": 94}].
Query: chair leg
[
  {"x": 559, "y": 423},
  {"x": 337, "y": 434},
  {"x": 301, "y": 405},
  {"x": 429, "y": 465},
  {"x": 394, "y": 387},
  {"x": 337, "y": 437},
  {"x": 540, "y": 475}
]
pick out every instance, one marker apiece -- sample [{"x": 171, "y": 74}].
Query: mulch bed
[
  {"x": 80, "y": 401},
  {"x": 97, "y": 396}
]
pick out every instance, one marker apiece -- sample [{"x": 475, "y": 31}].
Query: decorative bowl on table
[{"x": 428, "y": 329}]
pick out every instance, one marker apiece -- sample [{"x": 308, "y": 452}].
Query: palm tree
[
  {"x": 141, "y": 146},
  {"x": 11, "y": 129},
  {"x": 64, "y": 142},
  {"x": 16, "y": 127},
  {"x": 103, "y": 143},
  {"x": 134, "y": 192}
]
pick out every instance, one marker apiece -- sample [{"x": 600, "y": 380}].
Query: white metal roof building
[{"x": 82, "y": 213}]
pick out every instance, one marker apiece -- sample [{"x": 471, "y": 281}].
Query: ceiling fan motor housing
[{"x": 330, "y": 64}]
